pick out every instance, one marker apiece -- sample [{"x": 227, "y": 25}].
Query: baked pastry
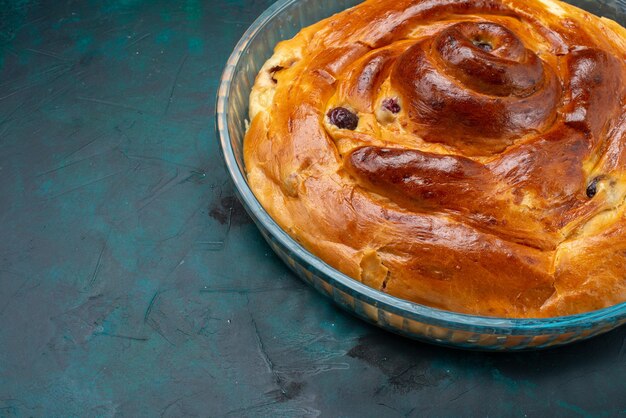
[{"x": 468, "y": 155}]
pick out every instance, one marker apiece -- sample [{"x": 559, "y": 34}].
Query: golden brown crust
[{"x": 486, "y": 173}]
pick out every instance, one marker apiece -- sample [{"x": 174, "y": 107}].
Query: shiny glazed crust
[{"x": 486, "y": 174}]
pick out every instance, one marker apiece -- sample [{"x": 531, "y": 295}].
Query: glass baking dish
[{"x": 282, "y": 21}]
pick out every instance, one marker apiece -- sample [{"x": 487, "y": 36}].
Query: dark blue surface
[{"x": 132, "y": 282}]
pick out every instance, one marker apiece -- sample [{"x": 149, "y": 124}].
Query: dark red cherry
[
  {"x": 592, "y": 188},
  {"x": 392, "y": 105},
  {"x": 342, "y": 118}
]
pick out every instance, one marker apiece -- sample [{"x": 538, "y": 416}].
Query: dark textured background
[{"x": 132, "y": 282}]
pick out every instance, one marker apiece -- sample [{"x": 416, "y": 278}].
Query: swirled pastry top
[{"x": 464, "y": 154}]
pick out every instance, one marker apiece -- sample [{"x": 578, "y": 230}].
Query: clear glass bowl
[{"x": 282, "y": 21}]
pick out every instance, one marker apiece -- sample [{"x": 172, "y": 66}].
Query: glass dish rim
[{"x": 389, "y": 303}]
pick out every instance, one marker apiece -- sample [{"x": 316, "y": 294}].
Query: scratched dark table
[{"x": 133, "y": 283}]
